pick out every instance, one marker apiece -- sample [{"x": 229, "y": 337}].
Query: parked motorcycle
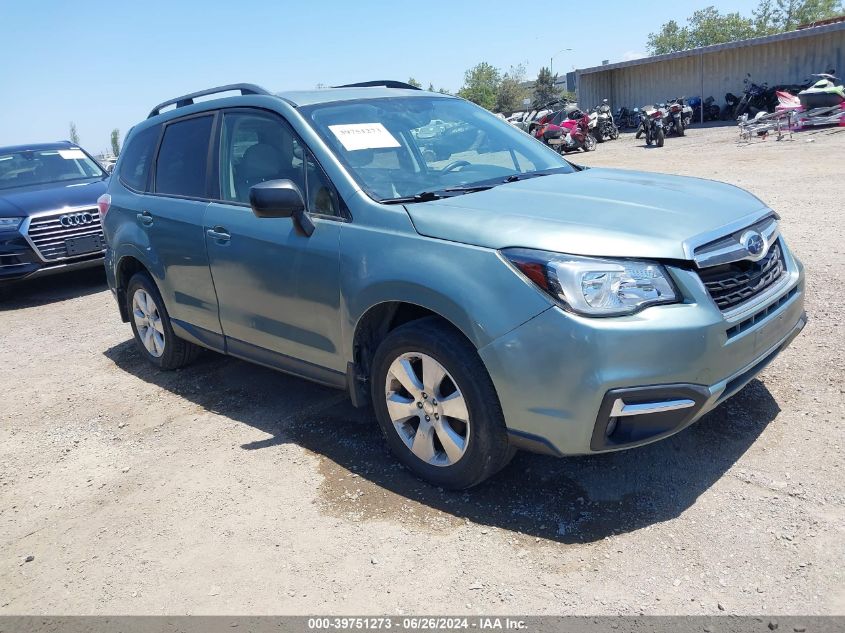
[
  {"x": 673, "y": 121},
  {"x": 686, "y": 111},
  {"x": 651, "y": 125},
  {"x": 711, "y": 110},
  {"x": 574, "y": 134},
  {"x": 624, "y": 119},
  {"x": 731, "y": 102},
  {"x": 605, "y": 129},
  {"x": 755, "y": 98},
  {"x": 636, "y": 119}
]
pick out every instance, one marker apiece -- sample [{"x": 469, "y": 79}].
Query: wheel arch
[
  {"x": 374, "y": 325},
  {"x": 128, "y": 264}
]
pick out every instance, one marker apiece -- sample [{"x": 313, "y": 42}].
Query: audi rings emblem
[{"x": 76, "y": 219}]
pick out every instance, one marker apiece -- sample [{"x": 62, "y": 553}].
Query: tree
[
  {"x": 430, "y": 87},
  {"x": 74, "y": 135},
  {"x": 793, "y": 13},
  {"x": 511, "y": 93},
  {"x": 765, "y": 18},
  {"x": 413, "y": 82},
  {"x": 115, "y": 141},
  {"x": 709, "y": 26},
  {"x": 670, "y": 38},
  {"x": 481, "y": 84},
  {"x": 545, "y": 89}
]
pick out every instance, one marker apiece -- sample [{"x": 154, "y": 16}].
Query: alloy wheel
[
  {"x": 427, "y": 409},
  {"x": 148, "y": 322}
]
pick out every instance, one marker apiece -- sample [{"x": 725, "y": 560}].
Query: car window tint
[
  {"x": 182, "y": 159},
  {"x": 137, "y": 157},
  {"x": 256, "y": 148}
]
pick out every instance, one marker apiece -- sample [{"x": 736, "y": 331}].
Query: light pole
[{"x": 552, "y": 61}]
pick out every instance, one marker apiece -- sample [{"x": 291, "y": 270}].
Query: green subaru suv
[{"x": 474, "y": 288}]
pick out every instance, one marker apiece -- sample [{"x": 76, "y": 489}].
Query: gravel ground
[{"x": 228, "y": 488}]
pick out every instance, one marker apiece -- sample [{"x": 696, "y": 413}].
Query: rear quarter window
[{"x": 137, "y": 158}]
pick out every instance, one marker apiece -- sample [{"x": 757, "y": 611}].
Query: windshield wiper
[
  {"x": 530, "y": 174},
  {"x": 426, "y": 196}
]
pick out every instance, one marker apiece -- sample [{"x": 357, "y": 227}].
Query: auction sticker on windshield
[
  {"x": 356, "y": 136},
  {"x": 71, "y": 154}
]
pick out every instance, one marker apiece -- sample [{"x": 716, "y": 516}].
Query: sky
[{"x": 104, "y": 65}]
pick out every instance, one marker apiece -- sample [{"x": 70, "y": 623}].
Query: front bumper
[
  {"x": 559, "y": 375},
  {"x": 18, "y": 260}
]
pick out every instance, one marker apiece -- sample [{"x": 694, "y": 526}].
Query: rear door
[
  {"x": 172, "y": 216},
  {"x": 278, "y": 289}
]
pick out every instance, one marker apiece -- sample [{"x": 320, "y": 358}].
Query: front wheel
[
  {"x": 437, "y": 407},
  {"x": 589, "y": 143},
  {"x": 660, "y": 137},
  {"x": 639, "y": 134},
  {"x": 680, "y": 128},
  {"x": 154, "y": 335}
]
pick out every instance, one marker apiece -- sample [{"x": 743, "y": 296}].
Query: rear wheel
[
  {"x": 150, "y": 322},
  {"x": 437, "y": 407}
]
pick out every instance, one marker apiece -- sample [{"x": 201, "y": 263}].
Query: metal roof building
[{"x": 785, "y": 58}]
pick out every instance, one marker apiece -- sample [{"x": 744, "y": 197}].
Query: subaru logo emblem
[
  {"x": 76, "y": 219},
  {"x": 754, "y": 243}
]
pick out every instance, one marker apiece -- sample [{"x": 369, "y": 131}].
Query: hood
[
  {"x": 599, "y": 212},
  {"x": 28, "y": 200}
]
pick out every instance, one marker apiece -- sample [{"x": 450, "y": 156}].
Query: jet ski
[{"x": 827, "y": 92}]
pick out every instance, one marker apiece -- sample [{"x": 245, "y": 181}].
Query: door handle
[
  {"x": 219, "y": 233},
  {"x": 145, "y": 218}
]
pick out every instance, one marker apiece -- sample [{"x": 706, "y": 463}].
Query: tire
[
  {"x": 639, "y": 134},
  {"x": 660, "y": 137},
  {"x": 649, "y": 139},
  {"x": 589, "y": 143},
  {"x": 172, "y": 352},
  {"x": 680, "y": 127},
  {"x": 614, "y": 133},
  {"x": 477, "y": 446}
]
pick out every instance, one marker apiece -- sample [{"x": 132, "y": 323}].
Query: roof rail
[
  {"x": 382, "y": 83},
  {"x": 186, "y": 100}
]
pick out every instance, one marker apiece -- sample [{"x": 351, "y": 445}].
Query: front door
[{"x": 278, "y": 290}]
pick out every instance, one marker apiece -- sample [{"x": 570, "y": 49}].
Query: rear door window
[
  {"x": 137, "y": 158},
  {"x": 182, "y": 163}
]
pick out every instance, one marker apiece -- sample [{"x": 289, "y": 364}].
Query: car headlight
[
  {"x": 10, "y": 224},
  {"x": 595, "y": 287}
]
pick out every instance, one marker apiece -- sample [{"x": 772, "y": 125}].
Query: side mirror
[{"x": 280, "y": 199}]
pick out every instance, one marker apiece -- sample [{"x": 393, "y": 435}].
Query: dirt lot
[{"x": 228, "y": 488}]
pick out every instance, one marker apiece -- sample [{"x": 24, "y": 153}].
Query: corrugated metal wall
[{"x": 714, "y": 73}]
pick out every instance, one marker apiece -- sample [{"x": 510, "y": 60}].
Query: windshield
[
  {"x": 39, "y": 167},
  {"x": 399, "y": 148}
]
